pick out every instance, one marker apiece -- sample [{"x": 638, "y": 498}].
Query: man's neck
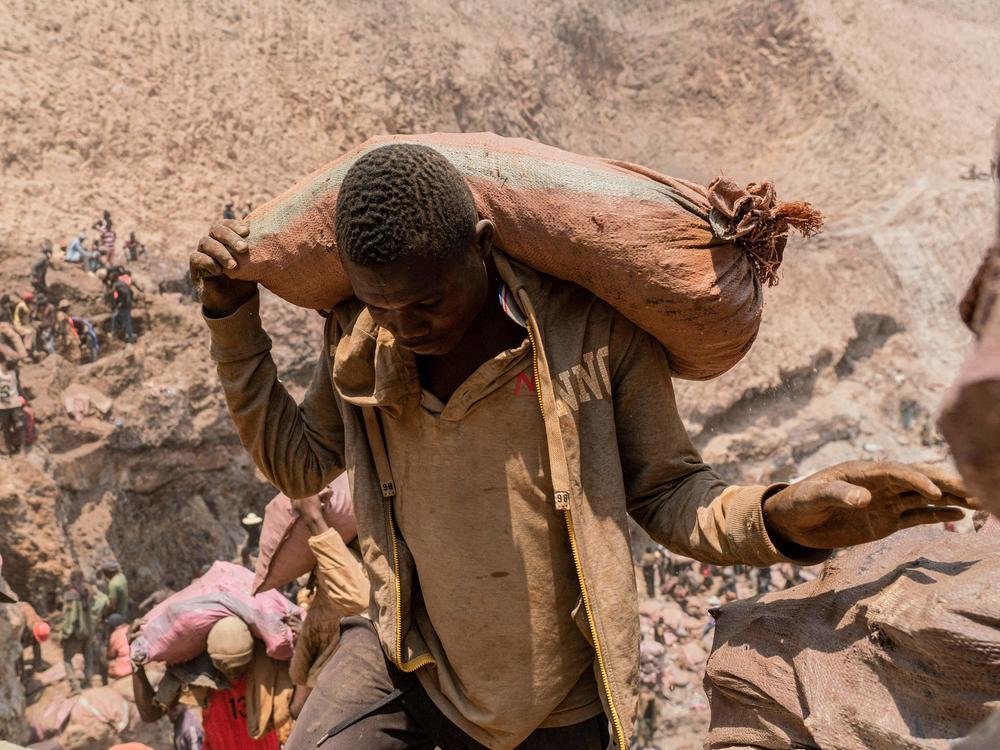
[{"x": 490, "y": 333}]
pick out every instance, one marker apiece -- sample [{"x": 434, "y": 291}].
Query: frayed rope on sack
[{"x": 753, "y": 218}]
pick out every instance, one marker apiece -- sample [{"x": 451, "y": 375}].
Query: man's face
[
  {"x": 231, "y": 674},
  {"x": 427, "y": 306}
]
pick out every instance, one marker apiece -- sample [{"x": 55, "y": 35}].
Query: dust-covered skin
[{"x": 862, "y": 501}]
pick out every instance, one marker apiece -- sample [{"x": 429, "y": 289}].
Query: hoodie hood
[{"x": 371, "y": 370}]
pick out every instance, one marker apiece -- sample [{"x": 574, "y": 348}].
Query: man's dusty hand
[
  {"x": 861, "y": 501},
  {"x": 216, "y": 254}
]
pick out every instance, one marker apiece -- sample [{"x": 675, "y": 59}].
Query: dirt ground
[{"x": 873, "y": 110}]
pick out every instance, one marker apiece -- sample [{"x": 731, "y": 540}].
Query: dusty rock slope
[{"x": 162, "y": 112}]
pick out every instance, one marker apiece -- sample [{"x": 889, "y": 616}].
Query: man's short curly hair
[{"x": 403, "y": 202}]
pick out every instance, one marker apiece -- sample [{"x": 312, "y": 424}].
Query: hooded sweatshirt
[{"x": 612, "y": 440}]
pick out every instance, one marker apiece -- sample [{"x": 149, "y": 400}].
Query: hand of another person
[
  {"x": 861, "y": 501},
  {"x": 311, "y": 510},
  {"x": 133, "y": 630},
  {"x": 216, "y": 254}
]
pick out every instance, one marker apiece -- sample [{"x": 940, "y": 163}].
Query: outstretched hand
[{"x": 861, "y": 501}]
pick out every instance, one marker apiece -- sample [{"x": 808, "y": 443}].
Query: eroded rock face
[
  {"x": 158, "y": 482},
  {"x": 12, "y": 723},
  {"x": 890, "y": 647}
]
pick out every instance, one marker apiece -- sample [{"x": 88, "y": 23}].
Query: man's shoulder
[{"x": 556, "y": 298}]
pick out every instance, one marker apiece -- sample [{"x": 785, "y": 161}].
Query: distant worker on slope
[
  {"x": 12, "y": 352},
  {"x": 252, "y": 524},
  {"x": 108, "y": 238},
  {"x": 40, "y": 268},
  {"x": 133, "y": 248},
  {"x": 23, "y": 320},
  {"x": 119, "y": 296},
  {"x": 75, "y": 629},
  {"x": 118, "y": 602},
  {"x": 75, "y": 250},
  {"x": 648, "y": 563}
]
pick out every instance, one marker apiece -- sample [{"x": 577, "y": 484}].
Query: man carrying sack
[{"x": 499, "y": 427}]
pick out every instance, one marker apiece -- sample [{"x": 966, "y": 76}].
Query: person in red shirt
[
  {"x": 119, "y": 664},
  {"x": 230, "y": 713}
]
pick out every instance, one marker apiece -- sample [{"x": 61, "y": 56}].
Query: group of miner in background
[
  {"x": 681, "y": 577},
  {"x": 666, "y": 673},
  {"x": 37, "y": 322},
  {"x": 94, "y": 623}
]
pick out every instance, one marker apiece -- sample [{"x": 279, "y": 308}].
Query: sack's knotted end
[{"x": 753, "y": 218}]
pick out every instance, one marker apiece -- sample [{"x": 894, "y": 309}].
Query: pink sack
[
  {"x": 284, "y": 540},
  {"x": 176, "y": 630}
]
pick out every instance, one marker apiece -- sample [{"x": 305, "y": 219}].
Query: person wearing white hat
[{"x": 252, "y": 524}]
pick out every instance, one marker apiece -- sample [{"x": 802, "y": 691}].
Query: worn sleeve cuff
[
  {"x": 324, "y": 544},
  {"x": 238, "y": 336},
  {"x": 748, "y": 534}
]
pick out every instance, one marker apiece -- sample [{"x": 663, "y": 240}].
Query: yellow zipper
[
  {"x": 615, "y": 720},
  {"x": 424, "y": 659}
]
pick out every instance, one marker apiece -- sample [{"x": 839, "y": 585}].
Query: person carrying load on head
[
  {"x": 244, "y": 694},
  {"x": 499, "y": 426}
]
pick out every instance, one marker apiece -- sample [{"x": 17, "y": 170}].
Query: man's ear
[{"x": 484, "y": 238}]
